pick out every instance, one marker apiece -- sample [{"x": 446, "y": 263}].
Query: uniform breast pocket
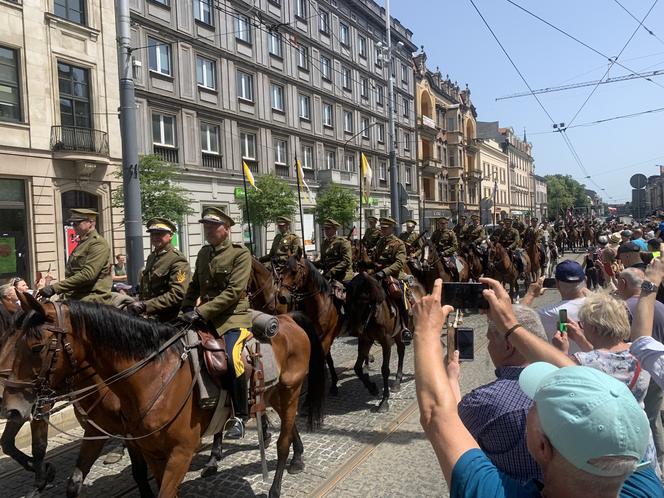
[
  {"x": 159, "y": 280},
  {"x": 222, "y": 275}
]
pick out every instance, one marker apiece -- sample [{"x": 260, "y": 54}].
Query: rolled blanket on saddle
[{"x": 264, "y": 326}]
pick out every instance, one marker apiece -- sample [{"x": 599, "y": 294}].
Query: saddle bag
[
  {"x": 393, "y": 288},
  {"x": 214, "y": 353}
]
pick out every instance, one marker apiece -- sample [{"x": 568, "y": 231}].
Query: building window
[
  {"x": 163, "y": 130},
  {"x": 72, "y": 10},
  {"x": 362, "y": 46},
  {"x": 209, "y": 138},
  {"x": 345, "y": 78},
  {"x": 380, "y": 133},
  {"x": 165, "y": 3},
  {"x": 74, "y": 96},
  {"x": 364, "y": 84},
  {"x": 274, "y": 44},
  {"x": 380, "y": 95},
  {"x": 406, "y": 107},
  {"x": 379, "y": 56},
  {"x": 409, "y": 175},
  {"x": 248, "y": 146},
  {"x": 365, "y": 127},
  {"x": 328, "y": 115},
  {"x": 404, "y": 74},
  {"x": 280, "y": 152},
  {"x": 324, "y": 22},
  {"x": 451, "y": 123},
  {"x": 277, "y": 97},
  {"x": 452, "y": 161},
  {"x": 203, "y": 11},
  {"x": 206, "y": 73},
  {"x": 406, "y": 141},
  {"x": 382, "y": 170},
  {"x": 349, "y": 162},
  {"x": 10, "y": 92},
  {"x": 301, "y": 9},
  {"x": 330, "y": 159},
  {"x": 243, "y": 29},
  {"x": 305, "y": 107},
  {"x": 326, "y": 68},
  {"x": 307, "y": 157},
  {"x": 159, "y": 56},
  {"x": 344, "y": 34},
  {"x": 303, "y": 57},
  {"x": 348, "y": 121},
  {"x": 245, "y": 86}
]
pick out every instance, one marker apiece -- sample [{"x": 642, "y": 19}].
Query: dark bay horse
[
  {"x": 374, "y": 320},
  {"x": 502, "y": 268},
  {"x": 154, "y": 380},
  {"x": 432, "y": 267},
  {"x": 534, "y": 255},
  {"x": 304, "y": 286},
  {"x": 263, "y": 289}
]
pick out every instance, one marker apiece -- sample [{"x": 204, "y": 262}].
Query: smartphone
[
  {"x": 562, "y": 321},
  {"x": 465, "y": 343},
  {"x": 464, "y": 295},
  {"x": 549, "y": 283}
]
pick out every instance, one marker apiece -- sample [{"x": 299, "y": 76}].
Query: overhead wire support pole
[
  {"x": 131, "y": 185},
  {"x": 394, "y": 171}
]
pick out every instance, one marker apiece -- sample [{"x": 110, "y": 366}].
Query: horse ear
[{"x": 28, "y": 302}]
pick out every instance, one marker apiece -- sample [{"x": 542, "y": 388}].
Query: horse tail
[{"x": 316, "y": 377}]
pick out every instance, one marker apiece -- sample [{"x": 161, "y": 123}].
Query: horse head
[
  {"x": 261, "y": 287},
  {"x": 291, "y": 278}
]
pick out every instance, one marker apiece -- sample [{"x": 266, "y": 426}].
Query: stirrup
[{"x": 236, "y": 421}]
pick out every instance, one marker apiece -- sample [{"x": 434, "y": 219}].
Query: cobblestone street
[{"x": 357, "y": 452}]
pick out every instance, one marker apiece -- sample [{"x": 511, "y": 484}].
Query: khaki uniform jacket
[
  {"x": 371, "y": 238},
  {"x": 336, "y": 259},
  {"x": 391, "y": 256},
  {"x": 220, "y": 280},
  {"x": 283, "y": 246},
  {"x": 88, "y": 271},
  {"x": 459, "y": 230},
  {"x": 445, "y": 242},
  {"x": 409, "y": 239},
  {"x": 475, "y": 234},
  {"x": 536, "y": 234},
  {"x": 164, "y": 282},
  {"x": 509, "y": 238}
]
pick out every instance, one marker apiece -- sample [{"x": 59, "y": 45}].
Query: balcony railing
[
  {"x": 167, "y": 154},
  {"x": 309, "y": 174},
  {"x": 211, "y": 161},
  {"x": 282, "y": 170},
  {"x": 428, "y": 122},
  {"x": 77, "y": 139}
]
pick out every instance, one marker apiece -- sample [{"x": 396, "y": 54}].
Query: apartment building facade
[
  {"x": 541, "y": 203},
  {"x": 219, "y": 84},
  {"x": 59, "y": 129},
  {"x": 495, "y": 181}
]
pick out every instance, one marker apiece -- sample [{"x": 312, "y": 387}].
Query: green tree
[
  {"x": 337, "y": 202},
  {"x": 564, "y": 192},
  {"x": 274, "y": 197},
  {"x": 160, "y": 194}
]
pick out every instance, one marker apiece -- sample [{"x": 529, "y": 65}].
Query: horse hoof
[
  {"x": 295, "y": 467},
  {"x": 209, "y": 470},
  {"x": 383, "y": 407},
  {"x": 50, "y": 472},
  {"x": 75, "y": 484},
  {"x": 334, "y": 390},
  {"x": 395, "y": 388},
  {"x": 373, "y": 389}
]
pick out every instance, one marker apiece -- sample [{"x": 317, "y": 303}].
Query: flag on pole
[
  {"x": 367, "y": 174},
  {"x": 302, "y": 182},
  {"x": 248, "y": 175}
]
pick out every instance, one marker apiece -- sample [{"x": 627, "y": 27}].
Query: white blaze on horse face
[{"x": 426, "y": 253}]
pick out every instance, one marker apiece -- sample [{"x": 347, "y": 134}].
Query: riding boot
[
  {"x": 406, "y": 334},
  {"x": 240, "y": 399}
]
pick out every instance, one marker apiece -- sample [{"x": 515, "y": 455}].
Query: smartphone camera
[
  {"x": 465, "y": 343},
  {"x": 464, "y": 295},
  {"x": 549, "y": 283}
]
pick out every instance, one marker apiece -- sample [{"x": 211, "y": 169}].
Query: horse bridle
[{"x": 296, "y": 294}]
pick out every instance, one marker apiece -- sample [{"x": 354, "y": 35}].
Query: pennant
[
  {"x": 302, "y": 182},
  {"x": 248, "y": 175},
  {"x": 367, "y": 175}
]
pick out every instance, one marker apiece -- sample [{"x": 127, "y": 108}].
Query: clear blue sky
[{"x": 456, "y": 39}]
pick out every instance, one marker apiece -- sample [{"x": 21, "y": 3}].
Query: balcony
[
  {"x": 428, "y": 126},
  {"x": 282, "y": 170},
  {"x": 309, "y": 174},
  {"x": 431, "y": 165},
  {"x": 212, "y": 161},
  {"x": 75, "y": 143},
  {"x": 335, "y": 176},
  {"x": 167, "y": 154}
]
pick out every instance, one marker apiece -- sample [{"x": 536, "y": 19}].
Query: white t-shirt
[{"x": 549, "y": 317}]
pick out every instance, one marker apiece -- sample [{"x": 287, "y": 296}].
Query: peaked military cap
[
  {"x": 330, "y": 223},
  {"x": 533, "y": 219},
  {"x": 412, "y": 222},
  {"x": 474, "y": 217},
  {"x": 216, "y": 215},
  {"x": 370, "y": 218},
  {"x": 387, "y": 222},
  {"x": 161, "y": 225},
  {"x": 82, "y": 214},
  {"x": 282, "y": 220},
  {"x": 507, "y": 219}
]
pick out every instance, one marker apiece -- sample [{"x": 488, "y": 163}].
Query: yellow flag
[
  {"x": 367, "y": 174},
  {"x": 302, "y": 182},
  {"x": 248, "y": 175}
]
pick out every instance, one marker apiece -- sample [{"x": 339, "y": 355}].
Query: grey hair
[
  {"x": 633, "y": 277},
  {"x": 530, "y": 320},
  {"x": 5, "y": 289},
  {"x": 572, "y": 287}
]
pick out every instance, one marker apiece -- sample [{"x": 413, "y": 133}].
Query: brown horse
[
  {"x": 573, "y": 239},
  {"x": 535, "y": 256},
  {"x": 432, "y": 267},
  {"x": 361, "y": 259},
  {"x": 263, "y": 290},
  {"x": 502, "y": 268},
  {"x": 588, "y": 236},
  {"x": 304, "y": 287},
  {"x": 154, "y": 380},
  {"x": 374, "y": 320},
  {"x": 473, "y": 261}
]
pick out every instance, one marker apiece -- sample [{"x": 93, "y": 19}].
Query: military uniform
[
  {"x": 371, "y": 237},
  {"x": 283, "y": 245},
  {"x": 509, "y": 238},
  {"x": 532, "y": 235},
  {"x": 445, "y": 242},
  {"x": 88, "y": 270},
  {"x": 459, "y": 229},
  {"x": 412, "y": 241},
  {"x": 474, "y": 234},
  {"x": 336, "y": 256},
  {"x": 165, "y": 279}
]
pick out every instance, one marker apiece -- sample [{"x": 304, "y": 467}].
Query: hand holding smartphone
[{"x": 562, "y": 321}]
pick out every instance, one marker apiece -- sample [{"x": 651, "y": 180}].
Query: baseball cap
[
  {"x": 570, "y": 271},
  {"x": 628, "y": 247},
  {"x": 586, "y": 414}
]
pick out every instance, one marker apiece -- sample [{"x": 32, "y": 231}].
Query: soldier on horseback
[
  {"x": 285, "y": 244},
  {"x": 474, "y": 238},
  {"x": 411, "y": 238},
  {"x": 371, "y": 235},
  {"x": 533, "y": 235},
  {"x": 220, "y": 281},
  {"x": 336, "y": 258},
  {"x": 445, "y": 242},
  {"x": 389, "y": 263},
  {"x": 509, "y": 239},
  {"x": 460, "y": 228}
]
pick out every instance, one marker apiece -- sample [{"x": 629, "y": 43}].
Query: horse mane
[
  {"x": 317, "y": 277},
  {"x": 364, "y": 282},
  {"x": 119, "y": 332}
]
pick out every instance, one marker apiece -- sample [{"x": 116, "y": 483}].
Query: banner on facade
[{"x": 8, "y": 255}]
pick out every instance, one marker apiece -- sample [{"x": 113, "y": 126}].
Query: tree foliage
[
  {"x": 161, "y": 196},
  {"x": 337, "y": 202},
  {"x": 564, "y": 192},
  {"x": 274, "y": 197}
]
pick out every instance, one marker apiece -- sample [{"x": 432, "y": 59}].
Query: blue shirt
[
  {"x": 643, "y": 245},
  {"x": 495, "y": 414},
  {"x": 474, "y": 476}
]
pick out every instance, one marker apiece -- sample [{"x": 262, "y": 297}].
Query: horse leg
[
  {"x": 384, "y": 405},
  {"x": 8, "y": 445},
  {"x": 87, "y": 455},
  {"x": 215, "y": 456},
  {"x": 139, "y": 471},
  {"x": 44, "y": 473},
  {"x": 363, "y": 347},
  {"x": 334, "y": 390},
  {"x": 288, "y": 408},
  {"x": 177, "y": 465},
  {"x": 401, "y": 353},
  {"x": 296, "y": 464}
]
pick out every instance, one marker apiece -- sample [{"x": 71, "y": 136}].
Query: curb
[{"x": 64, "y": 420}]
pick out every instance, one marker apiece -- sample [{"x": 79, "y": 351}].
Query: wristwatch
[{"x": 648, "y": 287}]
